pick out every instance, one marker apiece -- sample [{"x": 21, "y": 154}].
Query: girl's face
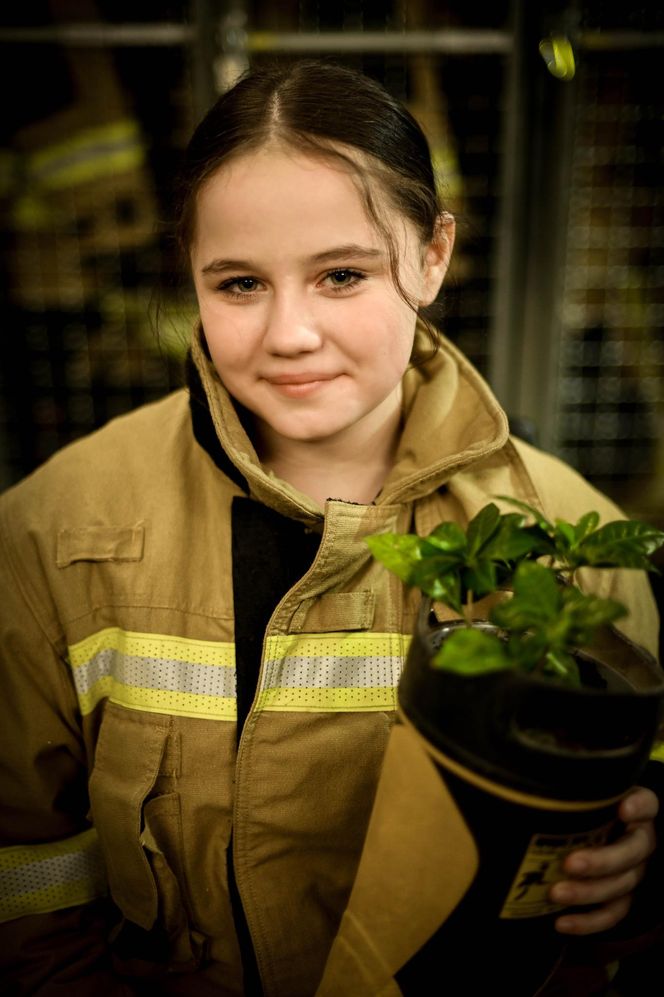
[{"x": 299, "y": 310}]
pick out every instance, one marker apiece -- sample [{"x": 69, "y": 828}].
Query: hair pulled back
[
  {"x": 326, "y": 110},
  {"x": 317, "y": 107}
]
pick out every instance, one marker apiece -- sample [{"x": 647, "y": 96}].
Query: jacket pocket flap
[
  {"x": 127, "y": 761},
  {"x": 100, "y": 543},
  {"x": 336, "y": 611}
]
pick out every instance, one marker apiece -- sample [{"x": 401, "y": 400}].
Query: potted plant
[
  {"x": 541, "y": 638},
  {"x": 522, "y": 722}
]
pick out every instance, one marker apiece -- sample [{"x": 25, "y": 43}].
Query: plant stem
[{"x": 468, "y": 609}]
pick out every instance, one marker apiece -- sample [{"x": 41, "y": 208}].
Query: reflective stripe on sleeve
[
  {"x": 35, "y": 879},
  {"x": 155, "y": 673},
  {"x": 332, "y": 672},
  {"x": 91, "y": 154}
]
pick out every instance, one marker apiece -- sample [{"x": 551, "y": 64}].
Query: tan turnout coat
[{"x": 117, "y": 742}]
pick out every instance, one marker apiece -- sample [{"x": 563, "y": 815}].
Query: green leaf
[
  {"x": 439, "y": 579},
  {"x": 586, "y": 525},
  {"x": 472, "y": 652},
  {"x": 482, "y": 527},
  {"x": 512, "y": 540},
  {"x": 399, "y": 552},
  {"x": 527, "y": 650},
  {"x": 480, "y": 579},
  {"x": 565, "y": 534},
  {"x": 447, "y": 536},
  {"x": 539, "y": 518},
  {"x": 563, "y": 666},
  {"x": 584, "y": 614},
  {"x": 536, "y": 599},
  {"x": 621, "y": 544}
]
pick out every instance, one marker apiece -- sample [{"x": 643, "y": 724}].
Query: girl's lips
[
  {"x": 297, "y": 386},
  {"x": 301, "y": 384}
]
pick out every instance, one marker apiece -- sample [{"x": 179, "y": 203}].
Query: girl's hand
[{"x": 608, "y": 875}]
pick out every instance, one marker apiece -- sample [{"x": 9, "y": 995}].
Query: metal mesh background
[{"x": 610, "y": 418}]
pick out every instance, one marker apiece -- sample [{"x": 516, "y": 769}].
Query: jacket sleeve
[{"x": 53, "y": 911}]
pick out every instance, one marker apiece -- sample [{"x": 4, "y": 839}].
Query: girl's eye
[
  {"x": 239, "y": 286},
  {"x": 342, "y": 280}
]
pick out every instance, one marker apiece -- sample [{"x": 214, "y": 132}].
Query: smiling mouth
[
  {"x": 304, "y": 378},
  {"x": 298, "y": 385}
]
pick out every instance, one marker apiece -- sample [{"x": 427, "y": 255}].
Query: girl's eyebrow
[
  {"x": 348, "y": 252},
  {"x": 216, "y": 266}
]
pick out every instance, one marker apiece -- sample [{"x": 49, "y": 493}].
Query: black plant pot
[{"x": 535, "y": 769}]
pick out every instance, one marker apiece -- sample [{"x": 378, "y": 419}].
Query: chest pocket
[
  {"x": 137, "y": 817},
  {"x": 103, "y": 564},
  {"x": 100, "y": 543}
]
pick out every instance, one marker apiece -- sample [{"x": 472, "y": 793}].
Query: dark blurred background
[
  {"x": 545, "y": 120},
  {"x": 546, "y": 123}
]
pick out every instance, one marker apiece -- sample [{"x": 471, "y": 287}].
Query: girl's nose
[{"x": 290, "y": 327}]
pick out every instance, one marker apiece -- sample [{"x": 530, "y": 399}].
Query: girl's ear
[{"x": 437, "y": 257}]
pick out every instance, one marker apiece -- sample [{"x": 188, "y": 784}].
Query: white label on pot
[{"x": 541, "y": 867}]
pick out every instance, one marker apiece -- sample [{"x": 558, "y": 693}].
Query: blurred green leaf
[
  {"x": 444, "y": 588},
  {"x": 399, "y": 552},
  {"x": 536, "y": 599},
  {"x": 469, "y": 651},
  {"x": 481, "y": 527},
  {"x": 565, "y": 532},
  {"x": 512, "y": 540},
  {"x": 621, "y": 544},
  {"x": 480, "y": 579},
  {"x": 561, "y": 665},
  {"x": 586, "y": 525},
  {"x": 539, "y": 517},
  {"x": 448, "y": 536}
]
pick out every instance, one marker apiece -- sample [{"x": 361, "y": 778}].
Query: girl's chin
[{"x": 301, "y": 430}]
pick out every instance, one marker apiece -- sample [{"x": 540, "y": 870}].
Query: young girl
[{"x": 200, "y": 657}]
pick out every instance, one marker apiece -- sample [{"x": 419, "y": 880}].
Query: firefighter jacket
[{"x": 122, "y": 775}]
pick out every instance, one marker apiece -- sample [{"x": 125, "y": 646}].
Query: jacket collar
[{"x": 451, "y": 420}]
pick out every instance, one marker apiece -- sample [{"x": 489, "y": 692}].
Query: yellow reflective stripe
[
  {"x": 340, "y": 700},
  {"x": 657, "y": 753},
  {"x": 89, "y": 155},
  {"x": 332, "y": 672},
  {"x": 157, "y": 673},
  {"x": 204, "y": 652},
  {"x": 35, "y": 879},
  {"x": 181, "y": 703},
  {"x": 329, "y": 672}
]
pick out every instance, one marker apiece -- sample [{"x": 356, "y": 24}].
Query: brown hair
[{"x": 326, "y": 110}]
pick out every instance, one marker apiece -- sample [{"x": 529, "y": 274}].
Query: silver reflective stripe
[
  {"x": 332, "y": 672},
  {"x": 155, "y": 673},
  {"x": 35, "y": 879},
  {"x": 328, "y": 672}
]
